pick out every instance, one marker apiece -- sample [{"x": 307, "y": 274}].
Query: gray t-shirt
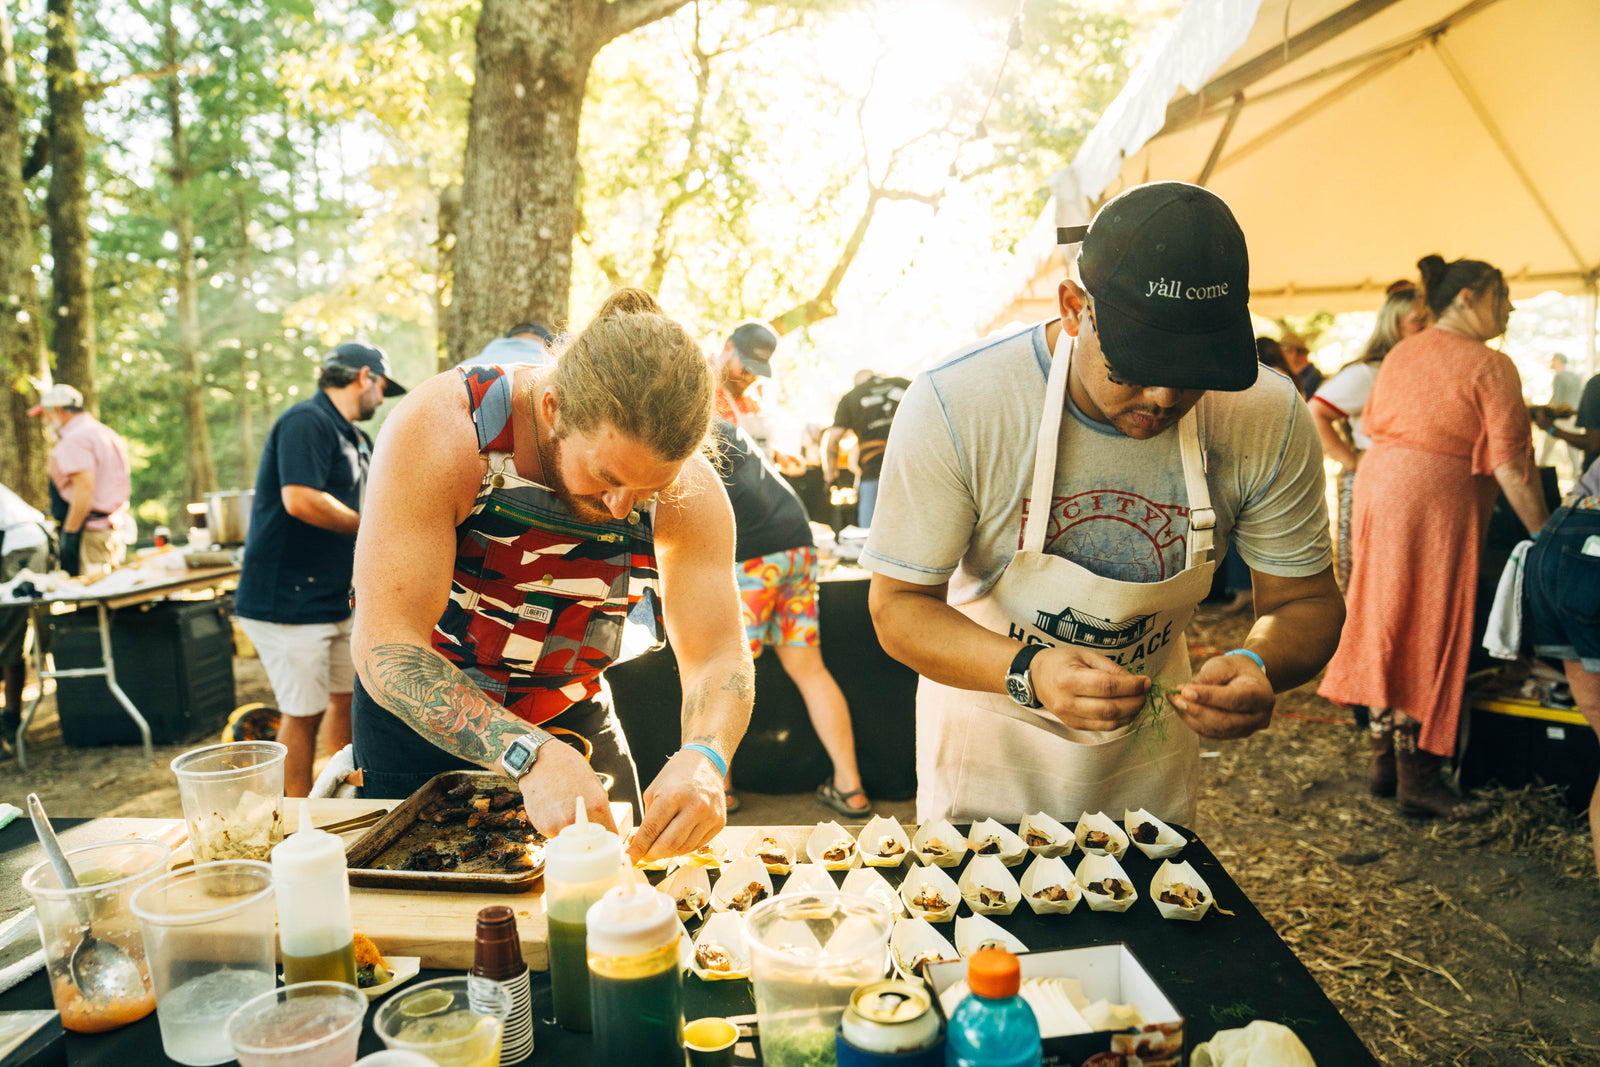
[{"x": 953, "y": 494}]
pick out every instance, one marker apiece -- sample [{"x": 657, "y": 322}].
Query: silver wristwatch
[
  {"x": 1019, "y": 679},
  {"x": 520, "y": 754}
]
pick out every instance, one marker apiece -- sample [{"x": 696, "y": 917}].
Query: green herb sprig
[{"x": 1150, "y": 724}]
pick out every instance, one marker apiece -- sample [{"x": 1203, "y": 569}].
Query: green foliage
[{"x": 727, "y": 155}]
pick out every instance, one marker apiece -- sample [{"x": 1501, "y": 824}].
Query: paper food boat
[
  {"x": 720, "y": 952},
  {"x": 884, "y": 842},
  {"x": 1089, "y": 835},
  {"x": 742, "y": 884},
  {"x": 1182, "y": 881},
  {"x": 988, "y": 886},
  {"x": 991, "y": 838},
  {"x": 939, "y": 844},
  {"x": 1092, "y": 875},
  {"x": 832, "y": 846},
  {"x": 913, "y": 942},
  {"x": 924, "y": 885},
  {"x": 1054, "y": 837},
  {"x": 768, "y": 847},
  {"x": 1167, "y": 841},
  {"x": 1049, "y": 887}
]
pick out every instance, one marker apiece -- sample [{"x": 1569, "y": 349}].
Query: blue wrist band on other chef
[
  {"x": 1247, "y": 652},
  {"x": 711, "y": 754}
]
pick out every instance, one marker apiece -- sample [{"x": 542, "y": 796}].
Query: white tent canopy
[{"x": 1352, "y": 137}]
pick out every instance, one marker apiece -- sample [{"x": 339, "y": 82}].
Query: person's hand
[
  {"x": 560, "y": 774},
  {"x": 793, "y": 466},
  {"x": 1543, "y": 417},
  {"x": 1085, "y": 690},
  {"x": 1228, "y": 697},
  {"x": 683, "y": 809},
  {"x": 72, "y": 552}
]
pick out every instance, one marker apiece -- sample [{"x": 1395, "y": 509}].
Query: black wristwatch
[{"x": 1019, "y": 682}]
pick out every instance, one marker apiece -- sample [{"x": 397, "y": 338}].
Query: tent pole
[{"x": 1591, "y": 309}]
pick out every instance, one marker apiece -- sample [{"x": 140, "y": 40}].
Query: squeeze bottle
[
  {"x": 993, "y": 1027},
  {"x": 635, "y": 985},
  {"x": 313, "y": 890},
  {"x": 580, "y": 863}
]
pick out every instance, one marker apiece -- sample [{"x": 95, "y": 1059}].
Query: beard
[{"x": 583, "y": 508}]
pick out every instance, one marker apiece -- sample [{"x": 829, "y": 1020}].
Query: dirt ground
[{"x": 1464, "y": 945}]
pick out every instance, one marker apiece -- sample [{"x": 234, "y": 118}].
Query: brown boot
[
  {"x": 1381, "y": 773},
  {"x": 1420, "y": 789}
]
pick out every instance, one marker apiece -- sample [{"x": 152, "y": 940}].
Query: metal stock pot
[{"x": 228, "y": 515}]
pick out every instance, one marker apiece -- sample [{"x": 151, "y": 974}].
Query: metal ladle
[{"x": 100, "y": 969}]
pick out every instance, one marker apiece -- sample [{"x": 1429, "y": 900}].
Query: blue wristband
[
  {"x": 1252, "y": 655},
  {"x": 711, "y": 754}
]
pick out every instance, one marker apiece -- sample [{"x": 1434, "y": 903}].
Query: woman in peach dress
[{"x": 1448, "y": 429}]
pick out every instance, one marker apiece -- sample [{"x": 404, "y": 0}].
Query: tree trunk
[
  {"x": 202, "y": 469},
  {"x": 22, "y": 449},
  {"x": 67, "y": 206},
  {"x": 513, "y": 253},
  {"x": 444, "y": 248}
]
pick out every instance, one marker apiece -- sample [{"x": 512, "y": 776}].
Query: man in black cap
[
  {"x": 293, "y": 600},
  {"x": 1052, "y": 506},
  {"x": 745, "y": 356}
]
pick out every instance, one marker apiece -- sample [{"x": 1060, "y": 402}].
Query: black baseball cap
[
  {"x": 539, "y": 331},
  {"x": 355, "y": 355},
  {"x": 755, "y": 342},
  {"x": 1166, "y": 267}
]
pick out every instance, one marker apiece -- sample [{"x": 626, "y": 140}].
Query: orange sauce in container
[{"x": 96, "y": 1017}]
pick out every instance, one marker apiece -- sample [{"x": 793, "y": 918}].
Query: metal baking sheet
[{"x": 402, "y": 831}]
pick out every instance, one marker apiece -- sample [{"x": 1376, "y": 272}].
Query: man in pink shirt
[{"x": 89, "y": 484}]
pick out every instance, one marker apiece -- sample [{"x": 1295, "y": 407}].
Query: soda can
[{"x": 890, "y": 1022}]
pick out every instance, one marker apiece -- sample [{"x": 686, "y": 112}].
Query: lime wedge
[{"x": 428, "y": 1002}]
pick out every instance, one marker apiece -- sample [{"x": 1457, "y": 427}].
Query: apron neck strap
[
  {"x": 1202, "y": 517},
  {"x": 1044, "y": 452}
]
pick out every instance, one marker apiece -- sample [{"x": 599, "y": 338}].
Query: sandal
[
  {"x": 830, "y": 796},
  {"x": 731, "y": 802}
]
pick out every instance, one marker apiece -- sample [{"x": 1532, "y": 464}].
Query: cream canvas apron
[{"x": 982, "y": 755}]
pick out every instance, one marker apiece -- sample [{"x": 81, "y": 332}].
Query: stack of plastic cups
[{"x": 497, "y": 954}]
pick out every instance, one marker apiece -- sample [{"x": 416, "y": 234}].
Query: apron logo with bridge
[{"x": 1128, "y": 642}]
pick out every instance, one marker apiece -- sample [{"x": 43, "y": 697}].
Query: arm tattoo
[
  {"x": 438, "y": 701},
  {"x": 695, "y": 710}
]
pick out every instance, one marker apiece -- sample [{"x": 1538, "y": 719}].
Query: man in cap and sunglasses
[
  {"x": 1051, "y": 509},
  {"x": 293, "y": 600}
]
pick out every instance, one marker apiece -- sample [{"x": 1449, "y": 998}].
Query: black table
[{"x": 1220, "y": 972}]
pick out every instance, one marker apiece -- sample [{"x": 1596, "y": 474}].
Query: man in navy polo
[{"x": 293, "y": 600}]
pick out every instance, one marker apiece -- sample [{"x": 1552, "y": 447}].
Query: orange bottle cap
[{"x": 994, "y": 973}]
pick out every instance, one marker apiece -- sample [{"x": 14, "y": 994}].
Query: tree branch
[{"x": 618, "y": 17}]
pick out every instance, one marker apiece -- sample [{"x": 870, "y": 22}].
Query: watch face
[
  {"x": 517, "y": 757},
  {"x": 1020, "y": 690}
]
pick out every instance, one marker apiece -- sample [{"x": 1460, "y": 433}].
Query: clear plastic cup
[
  {"x": 232, "y": 799},
  {"x": 809, "y": 951},
  {"x": 208, "y": 936},
  {"x": 455, "y": 1022},
  {"x": 107, "y": 877},
  {"x": 308, "y": 1024}
]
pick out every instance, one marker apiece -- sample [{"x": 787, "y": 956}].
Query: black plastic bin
[{"x": 174, "y": 659}]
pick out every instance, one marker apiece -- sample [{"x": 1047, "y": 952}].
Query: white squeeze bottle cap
[
  {"x": 631, "y": 920},
  {"x": 312, "y": 885},
  {"x": 582, "y": 852}
]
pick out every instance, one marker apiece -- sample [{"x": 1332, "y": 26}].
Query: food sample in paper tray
[
  {"x": 766, "y": 846},
  {"x": 884, "y": 842},
  {"x": 832, "y": 846}
]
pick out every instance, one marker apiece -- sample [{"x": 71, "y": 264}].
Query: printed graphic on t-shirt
[{"x": 1117, "y": 534}]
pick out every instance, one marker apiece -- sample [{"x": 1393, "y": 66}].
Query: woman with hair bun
[
  {"x": 1448, "y": 430},
  {"x": 520, "y": 522}
]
